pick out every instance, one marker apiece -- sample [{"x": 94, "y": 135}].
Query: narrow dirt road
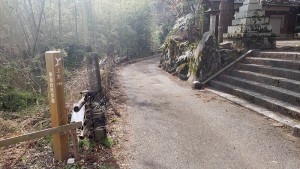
[{"x": 175, "y": 127}]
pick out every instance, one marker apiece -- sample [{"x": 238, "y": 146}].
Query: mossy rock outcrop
[
  {"x": 179, "y": 58},
  {"x": 183, "y": 71},
  {"x": 206, "y": 60},
  {"x": 172, "y": 50}
]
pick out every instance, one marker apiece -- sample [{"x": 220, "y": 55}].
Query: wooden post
[
  {"x": 73, "y": 134},
  {"x": 57, "y": 103},
  {"x": 95, "y": 86},
  {"x": 94, "y": 73},
  {"x": 39, "y": 134}
]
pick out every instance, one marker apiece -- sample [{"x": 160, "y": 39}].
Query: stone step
[
  {"x": 250, "y": 7},
  {"x": 259, "y": 99},
  {"x": 289, "y": 123},
  {"x": 269, "y": 70},
  {"x": 249, "y": 14},
  {"x": 247, "y": 34},
  {"x": 250, "y": 21},
  {"x": 290, "y": 64},
  {"x": 249, "y": 28},
  {"x": 268, "y": 79},
  {"x": 250, "y": 2},
  {"x": 278, "y": 55},
  {"x": 268, "y": 90}
]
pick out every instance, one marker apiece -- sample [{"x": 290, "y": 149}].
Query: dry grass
[
  {"x": 7, "y": 126},
  {"x": 39, "y": 153},
  {"x": 117, "y": 119}
]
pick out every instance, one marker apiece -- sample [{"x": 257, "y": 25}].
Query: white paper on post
[{"x": 78, "y": 116}]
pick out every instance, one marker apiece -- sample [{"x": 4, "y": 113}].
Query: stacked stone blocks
[{"x": 250, "y": 28}]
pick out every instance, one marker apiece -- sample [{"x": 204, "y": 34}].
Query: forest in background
[
  {"x": 121, "y": 28},
  {"x": 29, "y": 28},
  {"x": 127, "y": 28}
]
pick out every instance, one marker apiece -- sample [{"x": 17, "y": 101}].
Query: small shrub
[
  {"x": 48, "y": 139},
  {"x": 14, "y": 100},
  {"x": 108, "y": 142},
  {"x": 114, "y": 120},
  {"x": 72, "y": 166},
  {"x": 85, "y": 143}
]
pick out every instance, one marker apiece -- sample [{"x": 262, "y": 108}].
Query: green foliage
[
  {"x": 114, "y": 120},
  {"x": 48, "y": 139},
  {"x": 85, "y": 143},
  {"x": 122, "y": 28},
  {"x": 132, "y": 28},
  {"x": 182, "y": 69},
  {"x": 14, "y": 100},
  {"x": 173, "y": 32},
  {"x": 108, "y": 142},
  {"x": 72, "y": 166},
  {"x": 173, "y": 48},
  {"x": 23, "y": 159},
  {"x": 188, "y": 27},
  {"x": 74, "y": 57},
  {"x": 195, "y": 65}
]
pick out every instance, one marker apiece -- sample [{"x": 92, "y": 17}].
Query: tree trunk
[
  {"x": 38, "y": 27},
  {"x": 59, "y": 23},
  {"x": 76, "y": 21}
]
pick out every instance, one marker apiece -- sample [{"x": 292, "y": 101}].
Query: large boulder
[{"x": 206, "y": 60}]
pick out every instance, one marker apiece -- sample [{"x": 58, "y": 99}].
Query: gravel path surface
[{"x": 175, "y": 127}]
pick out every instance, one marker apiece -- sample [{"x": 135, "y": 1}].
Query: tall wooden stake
[
  {"x": 75, "y": 144},
  {"x": 94, "y": 73},
  {"x": 57, "y": 103}
]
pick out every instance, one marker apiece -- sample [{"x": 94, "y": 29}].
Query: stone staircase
[{"x": 268, "y": 79}]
